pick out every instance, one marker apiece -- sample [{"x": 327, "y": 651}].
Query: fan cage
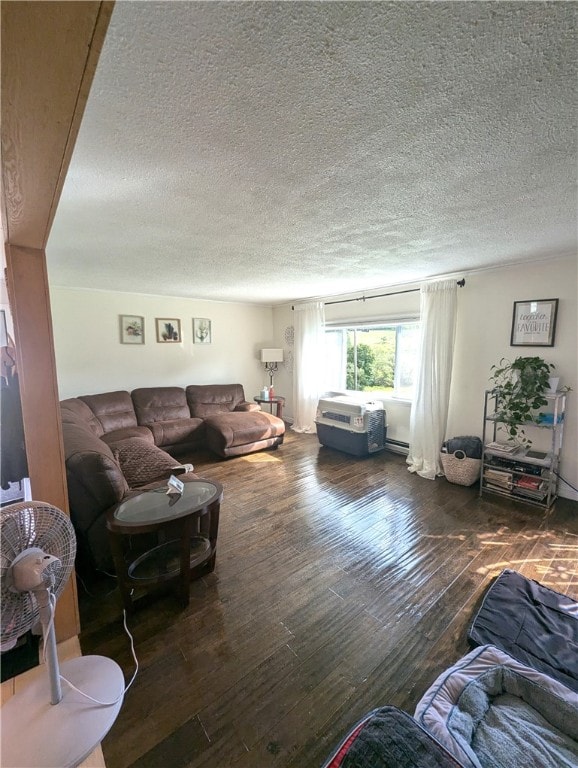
[{"x": 24, "y": 525}]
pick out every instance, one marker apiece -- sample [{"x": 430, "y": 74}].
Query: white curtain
[
  {"x": 429, "y": 413},
  {"x": 309, "y": 322}
]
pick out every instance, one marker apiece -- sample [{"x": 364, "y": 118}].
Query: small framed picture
[
  {"x": 201, "y": 330},
  {"x": 168, "y": 330},
  {"x": 534, "y": 323},
  {"x": 131, "y": 329}
]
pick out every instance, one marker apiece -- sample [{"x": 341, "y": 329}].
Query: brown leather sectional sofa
[{"x": 115, "y": 442}]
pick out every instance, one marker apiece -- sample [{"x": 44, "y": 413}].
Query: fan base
[{"x": 38, "y": 734}]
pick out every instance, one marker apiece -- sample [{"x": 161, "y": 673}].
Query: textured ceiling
[{"x": 271, "y": 151}]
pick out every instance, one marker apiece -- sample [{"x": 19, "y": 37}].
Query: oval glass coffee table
[{"x": 182, "y": 538}]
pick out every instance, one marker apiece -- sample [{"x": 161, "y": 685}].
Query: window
[{"x": 372, "y": 358}]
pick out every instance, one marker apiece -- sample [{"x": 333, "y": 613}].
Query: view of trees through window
[{"x": 372, "y": 358}]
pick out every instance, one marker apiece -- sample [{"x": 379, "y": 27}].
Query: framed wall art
[
  {"x": 534, "y": 323},
  {"x": 201, "y": 330},
  {"x": 168, "y": 330},
  {"x": 131, "y": 329}
]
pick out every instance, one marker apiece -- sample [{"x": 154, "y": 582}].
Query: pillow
[{"x": 143, "y": 463}]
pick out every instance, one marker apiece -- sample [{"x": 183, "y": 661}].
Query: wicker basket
[{"x": 460, "y": 469}]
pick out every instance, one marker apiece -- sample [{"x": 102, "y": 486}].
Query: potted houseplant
[{"x": 521, "y": 386}]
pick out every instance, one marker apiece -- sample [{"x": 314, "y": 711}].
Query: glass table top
[{"x": 157, "y": 506}]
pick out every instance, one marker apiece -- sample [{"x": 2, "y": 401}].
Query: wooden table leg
[
  {"x": 185, "y": 565},
  {"x": 121, "y": 570}
]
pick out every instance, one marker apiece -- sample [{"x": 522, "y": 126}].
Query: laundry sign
[{"x": 534, "y": 323}]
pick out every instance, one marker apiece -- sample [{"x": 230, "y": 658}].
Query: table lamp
[{"x": 270, "y": 357}]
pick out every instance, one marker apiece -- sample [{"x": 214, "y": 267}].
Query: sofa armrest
[{"x": 246, "y": 406}]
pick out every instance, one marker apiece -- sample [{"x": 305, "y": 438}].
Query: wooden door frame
[{"x": 49, "y": 55}]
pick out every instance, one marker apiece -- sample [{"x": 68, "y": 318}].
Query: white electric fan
[{"x": 59, "y": 718}]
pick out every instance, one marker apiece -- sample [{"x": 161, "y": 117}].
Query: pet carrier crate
[{"x": 350, "y": 425}]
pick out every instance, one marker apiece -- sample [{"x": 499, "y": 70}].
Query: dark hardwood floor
[{"x": 341, "y": 584}]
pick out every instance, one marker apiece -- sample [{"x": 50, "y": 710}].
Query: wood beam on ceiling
[{"x": 49, "y": 56}]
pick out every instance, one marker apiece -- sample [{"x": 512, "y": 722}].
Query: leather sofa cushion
[
  {"x": 143, "y": 463},
  {"x": 75, "y": 411},
  {"x": 177, "y": 432},
  {"x": 214, "y": 398},
  {"x": 160, "y": 404},
  {"x": 114, "y": 410},
  {"x": 144, "y": 433},
  {"x": 226, "y": 430},
  {"x": 248, "y": 407},
  {"x": 94, "y": 477}
]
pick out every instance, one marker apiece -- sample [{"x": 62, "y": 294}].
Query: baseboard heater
[
  {"x": 351, "y": 426},
  {"x": 397, "y": 446}
]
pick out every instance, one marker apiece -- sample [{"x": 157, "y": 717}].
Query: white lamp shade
[{"x": 271, "y": 355}]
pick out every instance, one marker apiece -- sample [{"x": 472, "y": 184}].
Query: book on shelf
[
  {"x": 529, "y": 493},
  {"x": 498, "y": 487},
  {"x": 526, "y": 469},
  {"x": 502, "y": 447},
  {"x": 537, "y": 459},
  {"x": 498, "y": 473},
  {"x": 521, "y": 461},
  {"x": 531, "y": 482},
  {"x": 536, "y": 454},
  {"x": 498, "y": 478}
]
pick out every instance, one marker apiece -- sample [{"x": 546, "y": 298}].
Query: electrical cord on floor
[
  {"x": 566, "y": 481},
  {"x": 106, "y": 573},
  {"x": 92, "y": 594},
  {"x": 74, "y": 688}
]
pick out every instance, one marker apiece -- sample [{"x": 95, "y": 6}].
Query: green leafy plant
[{"x": 521, "y": 386}]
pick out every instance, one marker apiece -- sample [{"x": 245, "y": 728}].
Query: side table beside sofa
[
  {"x": 185, "y": 528},
  {"x": 277, "y": 400}
]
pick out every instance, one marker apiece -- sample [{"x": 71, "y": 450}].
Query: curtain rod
[{"x": 460, "y": 283}]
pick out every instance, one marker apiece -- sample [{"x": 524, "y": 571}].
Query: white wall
[
  {"x": 91, "y": 359},
  {"x": 485, "y": 307},
  {"x": 483, "y": 337}
]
